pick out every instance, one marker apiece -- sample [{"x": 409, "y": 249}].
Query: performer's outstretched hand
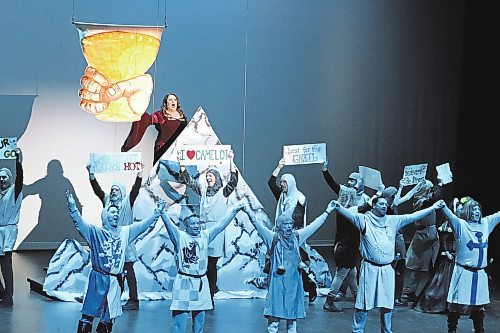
[
  {"x": 71, "y": 201},
  {"x": 325, "y": 165},
  {"x": 97, "y": 92}
]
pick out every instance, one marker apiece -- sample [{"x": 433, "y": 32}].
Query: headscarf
[
  {"x": 123, "y": 206},
  {"x": 9, "y": 174},
  {"x": 9, "y": 206},
  {"x": 359, "y": 185},
  {"x": 212, "y": 190},
  {"x": 289, "y": 199},
  {"x": 422, "y": 194},
  {"x": 121, "y": 186},
  {"x": 282, "y": 218}
]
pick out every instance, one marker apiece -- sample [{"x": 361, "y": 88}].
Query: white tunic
[
  {"x": 212, "y": 209},
  {"x": 378, "y": 237},
  {"x": 190, "y": 290},
  {"x": 470, "y": 286},
  {"x": 10, "y": 208}
]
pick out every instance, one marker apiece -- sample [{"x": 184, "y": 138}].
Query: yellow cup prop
[{"x": 119, "y": 53}]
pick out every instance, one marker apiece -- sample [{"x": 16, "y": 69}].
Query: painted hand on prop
[{"x": 97, "y": 92}]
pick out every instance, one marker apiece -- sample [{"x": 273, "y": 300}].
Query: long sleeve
[
  {"x": 18, "y": 185},
  {"x": 274, "y": 187},
  {"x": 138, "y": 228},
  {"x": 354, "y": 218},
  {"x": 134, "y": 192},
  {"x": 310, "y": 229},
  {"x": 413, "y": 217},
  {"x": 97, "y": 190},
  {"x": 80, "y": 224},
  {"x": 137, "y": 131},
  {"x": 190, "y": 182},
  {"x": 331, "y": 182},
  {"x": 172, "y": 230},
  {"x": 231, "y": 184},
  {"x": 493, "y": 221}
]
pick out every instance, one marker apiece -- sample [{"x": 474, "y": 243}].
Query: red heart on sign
[{"x": 190, "y": 154}]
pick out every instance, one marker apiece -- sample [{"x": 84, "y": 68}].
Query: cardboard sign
[
  {"x": 444, "y": 173},
  {"x": 372, "y": 178},
  {"x": 304, "y": 154},
  {"x": 8, "y": 148},
  {"x": 115, "y": 162},
  {"x": 412, "y": 174},
  {"x": 204, "y": 154}
]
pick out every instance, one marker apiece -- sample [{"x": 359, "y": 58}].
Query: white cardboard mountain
[{"x": 239, "y": 272}]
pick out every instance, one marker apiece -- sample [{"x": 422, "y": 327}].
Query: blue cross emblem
[{"x": 480, "y": 246}]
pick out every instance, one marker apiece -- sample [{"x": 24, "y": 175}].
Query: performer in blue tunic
[
  {"x": 378, "y": 237},
  {"x": 10, "y": 206},
  {"x": 469, "y": 281},
  {"x": 285, "y": 296},
  {"x": 118, "y": 196},
  {"x": 107, "y": 254},
  {"x": 191, "y": 292}
]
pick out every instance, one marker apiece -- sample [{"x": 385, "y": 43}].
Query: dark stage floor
[{"x": 33, "y": 312}]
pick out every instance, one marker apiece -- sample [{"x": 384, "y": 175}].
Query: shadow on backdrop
[{"x": 54, "y": 223}]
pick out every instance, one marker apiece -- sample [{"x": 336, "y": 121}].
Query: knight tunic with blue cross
[
  {"x": 469, "y": 281},
  {"x": 107, "y": 254}
]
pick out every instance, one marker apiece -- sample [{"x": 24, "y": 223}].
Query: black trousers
[
  {"x": 131, "y": 280},
  {"x": 400, "y": 270},
  {"x": 212, "y": 276},
  {"x": 8, "y": 275},
  {"x": 308, "y": 284}
]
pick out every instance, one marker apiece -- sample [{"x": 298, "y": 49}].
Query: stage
[{"x": 33, "y": 312}]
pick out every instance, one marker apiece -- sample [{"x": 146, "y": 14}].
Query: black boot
[
  {"x": 477, "y": 317},
  {"x": 330, "y": 306},
  {"x": 103, "y": 327},
  {"x": 453, "y": 321},
  {"x": 84, "y": 326}
]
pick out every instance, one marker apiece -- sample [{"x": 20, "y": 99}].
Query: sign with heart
[{"x": 204, "y": 154}]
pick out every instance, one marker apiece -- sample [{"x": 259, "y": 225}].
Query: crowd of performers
[{"x": 446, "y": 262}]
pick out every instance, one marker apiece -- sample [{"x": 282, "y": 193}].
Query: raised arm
[
  {"x": 420, "y": 214},
  {"x": 172, "y": 229},
  {"x": 493, "y": 221},
  {"x": 351, "y": 217},
  {"x": 260, "y": 226},
  {"x": 275, "y": 188},
  {"x": 398, "y": 200},
  {"x": 233, "y": 177},
  {"x": 134, "y": 192},
  {"x": 82, "y": 226},
  {"x": 18, "y": 184},
  {"x": 310, "y": 229},
  {"x": 137, "y": 131},
  {"x": 224, "y": 222},
  {"x": 95, "y": 185},
  {"x": 334, "y": 185},
  {"x": 139, "y": 227},
  {"x": 188, "y": 180}
]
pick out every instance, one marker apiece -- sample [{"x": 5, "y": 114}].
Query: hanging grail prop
[{"x": 115, "y": 86}]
